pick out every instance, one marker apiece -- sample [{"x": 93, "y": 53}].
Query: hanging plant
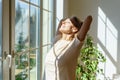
[{"x": 88, "y": 61}]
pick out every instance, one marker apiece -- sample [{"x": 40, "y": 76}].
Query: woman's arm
[{"x": 84, "y": 28}]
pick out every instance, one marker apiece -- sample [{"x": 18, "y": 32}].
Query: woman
[{"x": 61, "y": 60}]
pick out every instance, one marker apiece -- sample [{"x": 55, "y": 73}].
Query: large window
[
  {"x": 0, "y": 39},
  {"x": 22, "y": 61},
  {"x": 32, "y": 25},
  {"x": 33, "y": 29},
  {"x": 47, "y": 30}
]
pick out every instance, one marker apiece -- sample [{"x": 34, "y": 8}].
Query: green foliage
[
  {"x": 22, "y": 61},
  {"x": 88, "y": 61},
  {"x": 21, "y": 76},
  {"x": 32, "y": 62}
]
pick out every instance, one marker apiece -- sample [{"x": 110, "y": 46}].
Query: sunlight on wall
[
  {"x": 101, "y": 65},
  {"x": 111, "y": 39},
  {"x": 101, "y": 26},
  {"x": 107, "y": 35},
  {"x": 110, "y": 69}
]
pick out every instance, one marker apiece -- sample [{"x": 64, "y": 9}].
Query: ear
[{"x": 74, "y": 29}]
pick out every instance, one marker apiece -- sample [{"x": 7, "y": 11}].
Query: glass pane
[
  {"x": 34, "y": 25},
  {"x": 47, "y": 33},
  {"x": 22, "y": 40},
  {"x": 37, "y": 2},
  {"x": 48, "y": 5},
  {"x": 0, "y": 39},
  {"x": 51, "y": 4}
]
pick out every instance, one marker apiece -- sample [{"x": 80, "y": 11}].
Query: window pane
[
  {"x": 51, "y": 3},
  {"x": 48, "y": 5},
  {"x": 22, "y": 23},
  {"x": 37, "y": 2},
  {"x": 22, "y": 40},
  {"x": 0, "y": 39},
  {"x": 34, "y": 27},
  {"x": 47, "y": 33}
]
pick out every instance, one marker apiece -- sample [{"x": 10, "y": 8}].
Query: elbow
[{"x": 81, "y": 38}]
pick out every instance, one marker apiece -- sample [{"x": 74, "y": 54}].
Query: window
[
  {"x": 48, "y": 27},
  {"x": 35, "y": 26},
  {"x": 33, "y": 29}
]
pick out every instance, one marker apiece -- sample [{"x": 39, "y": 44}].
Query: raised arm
[{"x": 84, "y": 28}]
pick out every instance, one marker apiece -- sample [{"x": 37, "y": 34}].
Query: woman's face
[{"x": 66, "y": 27}]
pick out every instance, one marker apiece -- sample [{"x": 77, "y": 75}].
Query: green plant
[
  {"x": 88, "y": 61},
  {"x": 21, "y": 76}
]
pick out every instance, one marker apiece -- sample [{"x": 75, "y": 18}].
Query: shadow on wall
[{"x": 108, "y": 36}]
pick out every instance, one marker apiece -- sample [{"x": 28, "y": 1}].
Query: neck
[{"x": 67, "y": 37}]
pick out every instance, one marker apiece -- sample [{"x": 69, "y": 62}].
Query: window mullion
[{"x": 39, "y": 55}]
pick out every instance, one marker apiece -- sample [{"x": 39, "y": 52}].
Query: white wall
[
  {"x": 105, "y": 28},
  {"x": 82, "y": 8}
]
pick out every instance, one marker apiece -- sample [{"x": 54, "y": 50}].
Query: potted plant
[{"x": 88, "y": 61}]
